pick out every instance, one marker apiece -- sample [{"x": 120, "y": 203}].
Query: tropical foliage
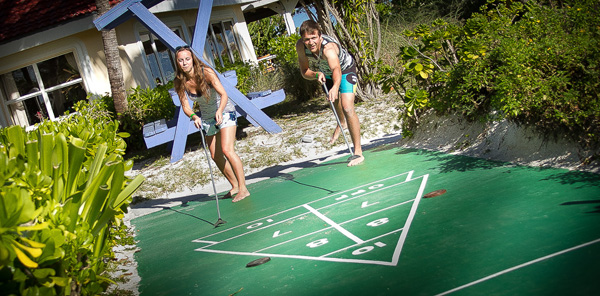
[
  {"x": 144, "y": 105},
  {"x": 358, "y": 29},
  {"x": 533, "y": 63},
  {"x": 264, "y": 30},
  {"x": 64, "y": 189}
]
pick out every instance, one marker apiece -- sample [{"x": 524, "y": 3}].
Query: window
[
  {"x": 222, "y": 43},
  {"x": 160, "y": 59},
  {"x": 221, "y": 48},
  {"x": 44, "y": 90}
]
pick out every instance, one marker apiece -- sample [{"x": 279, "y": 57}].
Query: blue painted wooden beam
[
  {"x": 171, "y": 40},
  {"x": 202, "y": 23},
  {"x": 253, "y": 113},
  {"x": 175, "y": 131},
  {"x": 139, "y": 9},
  {"x": 120, "y": 13},
  {"x": 184, "y": 124},
  {"x": 156, "y": 26}
]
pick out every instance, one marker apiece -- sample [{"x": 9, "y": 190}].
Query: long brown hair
[{"x": 202, "y": 84}]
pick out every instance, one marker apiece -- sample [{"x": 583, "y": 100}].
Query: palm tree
[{"x": 113, "y": 63}]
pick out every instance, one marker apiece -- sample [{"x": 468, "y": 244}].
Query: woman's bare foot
[
  {"x": 231, "y": 193},
  {"x": 241, "y": 195}
]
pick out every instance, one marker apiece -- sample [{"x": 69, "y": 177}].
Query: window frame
[
  {"x": 157, "y": 54},
  {"x": 178, "y": 23},
  {"x": 172, "y": 23},
  {"x": 8, "y": 103},
  {"x": 211, "y": 34},
  {"x": 26, "y": 57}
]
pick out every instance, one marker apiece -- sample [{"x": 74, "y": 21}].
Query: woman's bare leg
[
  {"x": 216, "y": 152},
  {"x": 227, "y": 140}
]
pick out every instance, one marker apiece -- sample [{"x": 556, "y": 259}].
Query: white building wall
[{"x": 82, "y": 38}]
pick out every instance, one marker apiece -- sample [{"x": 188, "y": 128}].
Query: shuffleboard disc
[
  {"x": 434, "y": 193},
  {"x": 258, "y": 261}
]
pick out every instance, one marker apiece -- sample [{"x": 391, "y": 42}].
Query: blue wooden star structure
[{"x": 180, "y": 127}]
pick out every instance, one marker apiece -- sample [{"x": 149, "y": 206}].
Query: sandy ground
[{"x": 502, "y": 141}]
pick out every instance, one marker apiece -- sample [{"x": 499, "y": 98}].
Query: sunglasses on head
[{"x": 178, "y": 48}]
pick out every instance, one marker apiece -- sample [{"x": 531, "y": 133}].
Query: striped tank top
[{"x": 346, "y": 60}]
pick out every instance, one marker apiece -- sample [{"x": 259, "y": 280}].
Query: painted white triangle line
[
  {"x": 408, "y": 178},
  {"x": 395, "y": 256},
  {"x": 361, "y": 261},
  {"x": 370, "y": 240},
  {"x": 339, "y": 228},
  {"x": 294, "y": 217},
  {"x": 411, "y": 216},
  {"x": 204, "y": 241},
  {"x": 327, "y": 228}
]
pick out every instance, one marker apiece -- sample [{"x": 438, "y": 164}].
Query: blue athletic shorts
[{"x": 349, "y": 81}]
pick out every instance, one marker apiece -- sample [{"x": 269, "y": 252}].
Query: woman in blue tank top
[{"x": 219, "y": 122}]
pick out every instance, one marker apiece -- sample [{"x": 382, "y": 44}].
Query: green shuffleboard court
[{"x": 499, "y": 229}]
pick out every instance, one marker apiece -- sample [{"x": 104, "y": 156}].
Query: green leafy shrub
[
  {"x": 63, "y": 189},
  {"x": 244, "y": 72},
  {"x": 145, "y": 105},
  {"x": 417, "y": 10},
  {"x": 264, "y": 30},
  {"x": 533, "y": 63},
  {"x": 284, "y": 47},
  {"x": 421, "y": 68}
]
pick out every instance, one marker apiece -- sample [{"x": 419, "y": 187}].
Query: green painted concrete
[{"x": 496, "y": 220}]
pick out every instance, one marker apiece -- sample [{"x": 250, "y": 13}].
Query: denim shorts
[{"x": 211, "y": 128}]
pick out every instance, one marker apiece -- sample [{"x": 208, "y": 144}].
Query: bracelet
[
  {"x": 317, "y": 73},
  {"x": 192, "y": 115}
]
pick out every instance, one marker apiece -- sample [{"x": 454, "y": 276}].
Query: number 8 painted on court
[
  {"x": 378, "y": 222},
  {"x": 317, "y": 243}
]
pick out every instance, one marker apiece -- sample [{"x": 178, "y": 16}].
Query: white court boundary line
[
  {"x": 341, "y": 260},
  {"x": 369, "y": 240},
  {"x": 396, "y": 254},
  {"x": 411, "y": 216},
  {"x": 518, "y": 267},
  {"x": 408, "y": 178}
]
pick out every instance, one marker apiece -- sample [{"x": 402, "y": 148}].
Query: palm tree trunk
[{"x": 113, "y": 63}]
